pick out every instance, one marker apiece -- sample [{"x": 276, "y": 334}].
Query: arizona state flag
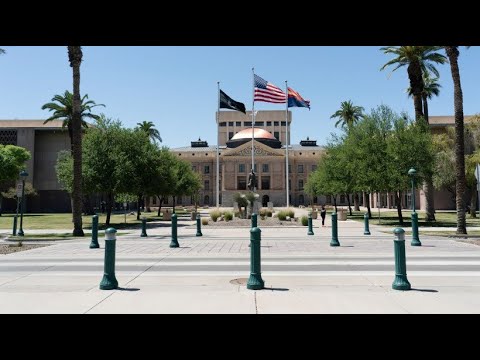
[
  {"x": 226, "y": 102},
  {"x": 295, "y": 99}
]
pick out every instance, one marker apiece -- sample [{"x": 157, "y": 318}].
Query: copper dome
[{"x": 257, "y": 134}]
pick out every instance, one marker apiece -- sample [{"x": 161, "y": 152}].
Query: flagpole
[
  {"x": 218, "y": 145},
  {"x": 253, "y": 118},
  {"x": 286, "y": 147}
]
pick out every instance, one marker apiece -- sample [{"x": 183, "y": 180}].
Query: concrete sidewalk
[{"x": 302, "y": 274}]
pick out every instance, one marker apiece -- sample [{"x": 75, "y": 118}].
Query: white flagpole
[
  {"x": 218, "y": 145},
  {"x": 286, "y": 142},
  {"x": 253, "y": 118}
]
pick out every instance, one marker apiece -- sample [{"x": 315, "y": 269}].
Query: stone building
[{"x": 235, "y": 159}]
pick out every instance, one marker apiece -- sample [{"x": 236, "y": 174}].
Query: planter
[{"x": 314, "y": 215}]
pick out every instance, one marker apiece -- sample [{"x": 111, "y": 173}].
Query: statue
[{"x": 252, "y": 181}]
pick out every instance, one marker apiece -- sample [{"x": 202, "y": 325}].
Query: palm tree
[
  {"x": 63, "y": 110},
  {"x": 149, "y": 128},
  {"x": 453, "y": 53},
  {"x": 348, "y": 114},
  {"x": 419, "y": 60},
  {"x": 2, "y": 51},
  {"x": 75, "y": 57},
  {"x": 431, "y": 87}
]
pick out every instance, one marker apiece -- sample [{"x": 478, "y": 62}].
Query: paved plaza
[{"x": 302, "y": 274}]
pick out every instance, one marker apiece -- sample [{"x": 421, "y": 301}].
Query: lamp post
[
  {"x": 23, "y": 176},
  {"x": 415, "y": 240}
]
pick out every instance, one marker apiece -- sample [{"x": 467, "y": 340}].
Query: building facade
[
  {"x": 44, "y": 142},
  {"x": 235, "y": 160}
]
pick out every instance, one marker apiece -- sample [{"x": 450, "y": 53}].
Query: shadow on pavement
[
  {"x": 127, "y": 289},
  {"x": 425, "y": 290}
]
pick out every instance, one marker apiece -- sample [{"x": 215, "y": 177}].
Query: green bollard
[
  {"x": 254, "y": 223},
  {"x": 109, "y": 282},
  {"x": 199, "y": 226},
  {"x": 401, "y": 281},
  {"x": 415, "y": 239},
  {"x": 94, "y": 244},
  {"x": 174, "y": 242},
  {"x": 334, "y": 241},
  {"x": 255, "y": 281},
  {"x": 14, "y": 232},
  {"x": 367, "y": 229},
  {"x": 144, "y": 227},
  {"x": 310, "y": 224}
]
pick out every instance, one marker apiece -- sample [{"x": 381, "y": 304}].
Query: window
[
  {"x": 276, "y": 123},
  {"x": 259, "y": 123},
  {"x": 179, "y": 200},
  {"x": 241, "y": 168},
  {"x": 194, "y": 168},
  {"x": 289, "y": 168},
  {"x": 342, "y": 199},
  {"x": 284, "y": 123},
  {"x": 206, "y": 169},
  {"x": 265, "y": 182},
  {"x": 242, "y": 183},
  {"x": 314, "y": 167},
  {"x": 222, "y": 124},
  {"x": 300, "y": 184},
  {"x": 254, "y": 168},
  {"x": 230, "y": 123},
  {"x": 277, "y": 135},
  {"x": 206, "y": 185},
  {"x": 230, "y": 135},
  {"x": 269, "y": 123},
  {"x": 264, "y": 169},
  {"x": 300, "y": 169},
  {"x": 247, "y": 123},
  {"x": 301, "y": 200},
  {"x": 289, "y": 184},
  {"x": 238, "y": 123},
  {"x": 206, "y": 200},
  {"x": 328, "y": 199}
]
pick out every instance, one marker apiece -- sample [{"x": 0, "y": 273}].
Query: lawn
[
  {"x": 53, "y": 236},
  {"x": 390, "y": 218},
  {"x": 64, "y": 220}
]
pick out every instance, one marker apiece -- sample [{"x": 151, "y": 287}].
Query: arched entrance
[
  {"x": 206, "y": 200},
  {"x": 265, "y": 200}
]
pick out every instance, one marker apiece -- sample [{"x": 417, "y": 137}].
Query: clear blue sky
[{"x": 176, "y": 87}]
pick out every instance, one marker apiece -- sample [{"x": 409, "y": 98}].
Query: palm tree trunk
[
  {"x": 453, "y": 53},
  {"x": 75, "y": 58},
  {"x": 416, "y": 84},
  {"x": 356, "y": 201},
  {"x": 147, "y": 203},
  {"x": 399, "y": 206}
]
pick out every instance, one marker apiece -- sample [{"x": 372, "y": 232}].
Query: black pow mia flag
[{"x": 226, "y": 102}]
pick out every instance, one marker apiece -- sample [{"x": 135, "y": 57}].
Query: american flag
[{"x": 265, "y": 91}]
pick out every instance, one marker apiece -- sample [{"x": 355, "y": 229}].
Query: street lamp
[
  {"x": 23, "y": 176},
  {"x": 415, "y": 240}
]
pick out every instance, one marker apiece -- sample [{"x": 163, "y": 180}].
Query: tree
[
  {"x": 149, "y": 128},
  {"x": 347, "y": 115},
  {"x": 431, "y": 87},
  {"x": 419, "y": 60},
  {"x": 453, "y": 54},
  {"x": 62, "y": 107},
  {"x": 12, "y": 161},
  {"x": 186, "y": 181}
]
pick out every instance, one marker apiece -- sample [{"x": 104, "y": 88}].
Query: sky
[{"x": 176, "y": 87}]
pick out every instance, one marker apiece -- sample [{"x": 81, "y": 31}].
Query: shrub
[
  {"x": 204, "y": 221},
  {"x": 282, "y": 215},
  {"x": 290, "y": 213},
  {"x": 304, "y": 220},
  {"x": 228, "y": 216},
  {"x": 241, "y": 201},
  {"x": 237, "y": 214},
  {"x": 262, "y": 217},
  {"x": 269, "y": 213},
  {"x": 262, "y": 212},
  {"x": 215, "y": 214}
]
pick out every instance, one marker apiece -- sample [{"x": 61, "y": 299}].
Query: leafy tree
[
  {"x": 186, "y": 182},
  {"x": 12, "y": 160}
]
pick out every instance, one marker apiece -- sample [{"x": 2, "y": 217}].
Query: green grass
[
  {"x": 53, "y": 236},
  {"x": 64, "y": 220},
  {"x": 441, "y": 233},
  {"x": 390, "y": 218}
]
